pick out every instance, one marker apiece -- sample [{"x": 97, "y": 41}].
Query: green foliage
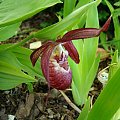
[
  {"x": 116, "y": 25},
  {"x": 8, "y": 31},
  {"x": 68, "y": 7},
  {"x": 10, "y": 72},
  {"x": 16, "y": 62},
  {"x": 115, "y": 64},
  {"x": 13, "y": 12},
  {"x": 87, "y": 69},
  {"x": 85, "y": 111},
  {"x": 53, "y": 31},
  {"x": 107, "y": 103},
  {"x": 16, "y": 67}
]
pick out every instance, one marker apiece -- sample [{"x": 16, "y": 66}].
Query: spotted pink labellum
[{"x": 54, "y": 57}]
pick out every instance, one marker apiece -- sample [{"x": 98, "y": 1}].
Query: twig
[
  {"x": 106, "y": 68},
  {"x": 91, "y": 101},
  {"x": 69, "y": 102}
]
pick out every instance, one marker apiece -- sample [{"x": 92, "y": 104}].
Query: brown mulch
[{"x": 31, "y": 106}]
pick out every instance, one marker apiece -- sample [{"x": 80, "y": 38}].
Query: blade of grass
[
  {"x": 84, "y": 114},
  {"x": 116, "y": 25},
  {"x": 68, "y": 7},
  {"x": 103, "y": 40},
  {"x": 113, "y": 68}
]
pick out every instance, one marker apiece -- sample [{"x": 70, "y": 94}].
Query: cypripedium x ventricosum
[{"x": 54, "y": 56}]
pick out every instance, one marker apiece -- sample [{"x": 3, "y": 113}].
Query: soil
[
  {"x": 22, "y": 104},
  {"x": 31, "y": 106}
]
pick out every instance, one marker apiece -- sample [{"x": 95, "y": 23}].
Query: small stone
[
  {"x": 51, "y": 113},
  {"x": 35, "y": 45},
  {"x": 43, "y": 117},
  {"x": 57, "y": 116},
  {"x": 11, "y": 117},
  {"x": 64, "y": 106}
]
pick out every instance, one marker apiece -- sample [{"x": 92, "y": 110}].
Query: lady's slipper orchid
[{"x": 54, "y": 63}]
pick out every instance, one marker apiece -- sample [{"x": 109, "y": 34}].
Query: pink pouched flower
[{"x": 54, "y": 56}]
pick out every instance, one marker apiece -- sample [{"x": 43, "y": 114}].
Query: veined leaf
[
  {"x": 117, "y": 115},
  {"x": 20, "y": 58},
  {"x": 13, "y": 66},
  {"x": 23, "y": 55},
  {"x": 8, "y": 31},
  {"x": 117, "y": 3},
  {"x": 12, "y": 11},
  {"x": 116, "y": 12},
  {"x": 11, "y": 76}
]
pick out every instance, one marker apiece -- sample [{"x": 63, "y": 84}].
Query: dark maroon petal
[
  {"x": 80, "y": 34},
  {"x": 45, "y": 60},
  {"x": 106, "y": 25},
  {"x": 37, "y": 53},
  {"x": 72, "y": 51},
  {"x": 84, "y": 33}
]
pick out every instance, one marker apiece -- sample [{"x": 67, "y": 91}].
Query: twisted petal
[
  {"x": 72, "y": 51},
  {"x": 84, "y": 32},
  {"x": 45, "y": 59},
  {"x": 38, "y": 52}
]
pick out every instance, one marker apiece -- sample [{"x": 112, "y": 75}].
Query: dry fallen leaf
[
  {"x": 103, "y": 54},
  {"x": 25, "y": 108}
]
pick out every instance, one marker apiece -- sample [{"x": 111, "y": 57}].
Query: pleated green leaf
[
  {"x": 116, "y": 12},
  {"x": 16, "y": 68},
  {"x": 11, "y": 76},
  {"x": 12, "y": 11},
  {"x": 8, "y": 31},
  {"x": 115, "y": 64},
  {"x": 23, "y": 56}
]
